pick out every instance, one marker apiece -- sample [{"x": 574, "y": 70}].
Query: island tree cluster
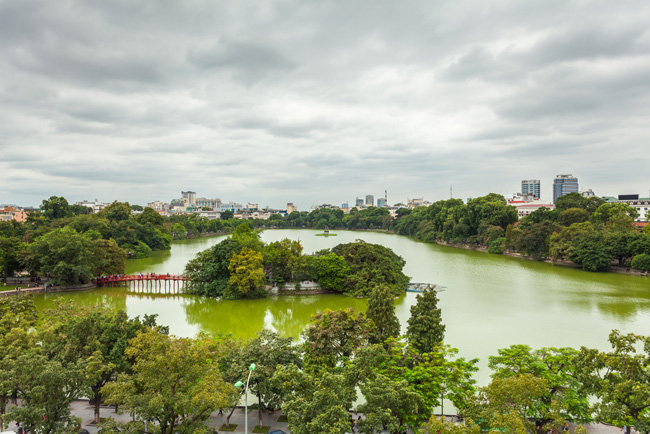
[{"x": 242, "y": 266}]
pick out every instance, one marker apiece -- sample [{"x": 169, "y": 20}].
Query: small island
[{"x": 242, "y": 266}]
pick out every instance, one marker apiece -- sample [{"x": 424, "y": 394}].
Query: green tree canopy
[
  {"x": 381, "y": 311},
  {"x": 175, "y": 382},
  {"x": 425, "y": 329}
]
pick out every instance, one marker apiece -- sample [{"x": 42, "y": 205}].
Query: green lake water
[{"x": 490, "y": 301}]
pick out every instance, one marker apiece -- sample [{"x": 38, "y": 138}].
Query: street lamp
[{"x": 251, "y": 368}]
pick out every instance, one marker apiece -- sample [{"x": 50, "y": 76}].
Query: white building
[{"x": 96, "y": 206}]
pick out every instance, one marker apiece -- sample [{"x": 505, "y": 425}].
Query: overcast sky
[{"x": 320, "y": 101}]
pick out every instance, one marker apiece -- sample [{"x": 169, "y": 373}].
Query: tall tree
[
  {"x": 334, "y": 336},
  {"x": 425, "y": 328},
  {"x": 56, "y": 207},
  {"x": 92, "y": 340},
  {"x": 316, "y": 402},
  {"x": 620, "y": 380},
  {"x": 381, "y": 311},
  {"x": 246, "y": 274},
  {"x": 175, "y": 382},
  {"x": 557, "y": 367}
]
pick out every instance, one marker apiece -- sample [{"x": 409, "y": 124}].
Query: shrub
[
  {"x": 641, "y": 262},
  {"x": 496, "y": 246}
]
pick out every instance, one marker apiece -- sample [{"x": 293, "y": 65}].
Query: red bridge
[{"x": 145, "y": 281}]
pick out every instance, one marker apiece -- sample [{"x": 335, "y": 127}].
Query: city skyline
[{"x": 320, "y": 103}]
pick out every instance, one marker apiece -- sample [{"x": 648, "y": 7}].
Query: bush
[
  {"x": 496, "y": 246},
  {"x": 641, "y": 262}
]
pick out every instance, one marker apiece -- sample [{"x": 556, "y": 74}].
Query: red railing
[{"x": 139, "y": 277}]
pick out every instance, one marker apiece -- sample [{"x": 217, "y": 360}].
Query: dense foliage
[
  {"x": 73, "y": 351},
  {"x": 242, "y": 266}
]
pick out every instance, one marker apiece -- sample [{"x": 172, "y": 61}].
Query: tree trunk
[
  {"x": 259, "y": 406},
  {"x": 228, "y": 418},
  {"x": 97, "y": 403}
]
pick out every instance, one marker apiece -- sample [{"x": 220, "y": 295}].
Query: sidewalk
[{"x": 82, "y": 409}]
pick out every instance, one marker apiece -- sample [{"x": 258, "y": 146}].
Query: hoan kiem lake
[{"x": 489, "y": 301}]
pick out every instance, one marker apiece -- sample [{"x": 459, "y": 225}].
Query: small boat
[{"x": 421, "y": 287}]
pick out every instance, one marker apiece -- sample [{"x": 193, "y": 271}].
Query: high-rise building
[
  {"x": 564, "y": 184},
  {"x": 530, "y": 186},
  {"x": 381, "y": 202},
  {"x": 370, "y": 200},
  {"x": 189, "y": 197},
  {"x": 291, "y": 208},
  {"x": 359, "y": 202}
]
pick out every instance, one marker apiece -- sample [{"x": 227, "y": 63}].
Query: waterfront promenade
[{"x": 82, "y": 409}]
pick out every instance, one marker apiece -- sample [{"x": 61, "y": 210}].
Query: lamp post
[{"x": 251, "y": 368}]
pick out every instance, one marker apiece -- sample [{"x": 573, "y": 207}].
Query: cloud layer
[{"x": 311, "y": 102}]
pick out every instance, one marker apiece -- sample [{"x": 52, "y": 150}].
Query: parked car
[{"x": 277, "y": 431}]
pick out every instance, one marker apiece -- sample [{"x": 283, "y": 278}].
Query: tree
[
  {"x": 284, "y": 259},
  {"x": 208, "y": 271},
  {"x": 71, "y": 258},
  {"x": 592, "y": 252},
  {"x": 573, "y": 215},
  {"x": 576, "y": 200},
  {"x": 333, "y": 272},
  {"x": 561, "y": 244},
  {"x": 370, "y": 265},
  {"x": 504, "y": 404},
  {"x": 9, "y": 256},
  {"x": 175, "y": 382},
  {"x": 56, "y": 207},
  {"x": 18, "y": 315},
  {"x": 92, "y": 340},
  {"x": 246, "y": 274},
  {"x": 226, "y": 215},
  {"x": 151, "y": 216},
  {"x": 641, "y": 262},
  {"x": 619, "y": 379},
  {"x": 614, "y": 212},
  {"x": 315, "y": 402},
  {"x": 534, "y": 241},
  {"x": 46, "y": 388},
  {"x": 334, "y": 336},
  {"x": 425, "y": 328},
  {"x": 268, "y": 351},
  {"x": 116, "y": 212},
  {"x": 381, "y": 311},
  {"x": 248, "y": 237},
  {"x": 440, "y": 425},
  {"x": 389, "y": 403},
  {"x": 556, "y": 366}
]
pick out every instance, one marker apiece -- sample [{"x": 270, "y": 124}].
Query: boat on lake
[{"x": 421, "y": 287}]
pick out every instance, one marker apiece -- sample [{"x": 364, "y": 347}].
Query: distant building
[
  {"x": 641, "y": 204},
  {"x": 189, "y": 197},
  {"x": 10, "y": 213},
  {"x": 232, "y": 206},
  {"x": 531, "y": 186},
  {"x": 345, "y": 205},
  {"x": 563, "y": 185},
  {"x": 381, "y": 202},
  {"x": 414, "y": 203},
  {"x": 526, "y": 204},
  {"x": 213, "y": 204},
  {"x": 96, "y": 206},
  {"x": 291, "y": 208},
  {"x": 588, "y": 193},
  {"x": 359, "y": 203},
  {"x": 252, "y": 206},
  {"x": 370, "y": 200}
]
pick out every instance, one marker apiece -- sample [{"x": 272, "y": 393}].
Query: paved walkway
[{"x": 82, "y": 409}]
